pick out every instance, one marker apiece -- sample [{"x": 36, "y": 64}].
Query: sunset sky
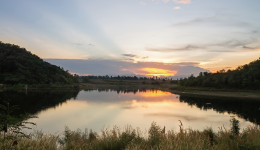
[{"x": 135, "y": 37}]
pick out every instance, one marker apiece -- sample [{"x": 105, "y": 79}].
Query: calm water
[{"x": 96, "y": 109}]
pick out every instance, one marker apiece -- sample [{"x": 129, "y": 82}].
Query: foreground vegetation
[{"x": 130, "y": 138}]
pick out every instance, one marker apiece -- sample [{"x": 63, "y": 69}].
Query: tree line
[
  {"x": 19, "y": 66},
  {"x": 86, "y": 78},
  {"x": 243, "y": 77}
]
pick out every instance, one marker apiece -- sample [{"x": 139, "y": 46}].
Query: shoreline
[
  {"x": 220, "y": 93},
  {"x": 137, "y": 84}
]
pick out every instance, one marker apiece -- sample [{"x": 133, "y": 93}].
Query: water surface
[{"x": 96, "y": 109}]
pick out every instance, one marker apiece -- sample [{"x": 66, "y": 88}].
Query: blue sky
[{"x": 206, "y": 34}]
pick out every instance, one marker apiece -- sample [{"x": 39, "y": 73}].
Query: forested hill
[
  {"x": 244, "y": 77},
  {"x": 19, "y": 66}
]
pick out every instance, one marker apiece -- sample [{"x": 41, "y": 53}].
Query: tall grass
[{"x": 130, "y": 138}]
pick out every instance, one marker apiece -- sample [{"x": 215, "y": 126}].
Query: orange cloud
[
  {"x": 142, "y": 3},
  {"x": 165, "y": 1},
  {"x": 182, "y": 1},
  {"x": 124, "y": 69},
  {"x": 158, "y": 72},
  {"x": 177, "y": 7},
  {"x": 72, "y": 73}
]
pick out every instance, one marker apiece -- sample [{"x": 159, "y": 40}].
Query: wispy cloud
[
  {"x": 246, "y": 47},
  {"x": 177, "y": 7},
  {"x": 225, "y": 46},
  {"x": 186, "y": 48},
  {"x": 77, "y": 43},
  {"x": 129, "y": 59},
  {"x": 236, "y": 51},
  {"x": 165, "y": 1},
  {"x": 182, "y": 1},
  {"x": 217, "y": 19},
  {"x": 130, "y": 55},
  {"x": 142, "y": 3}
]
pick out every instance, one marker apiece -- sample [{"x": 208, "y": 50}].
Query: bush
[
  {"x": 234, "y": 123},
  {"x": 210, "y": 134}
]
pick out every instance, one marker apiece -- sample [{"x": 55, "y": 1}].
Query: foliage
[
  {"x": 85, "y": 79},
  {"x": 19, "y": 66},
  {"x": 244, "y": 77},
  {"x": 234, "y": 123},
  {"x": 11, "y": 126},
  {"x": 155, "y": 133},
  {"x": 210, "y": 134},
  {"x": 134, "y": 139}
]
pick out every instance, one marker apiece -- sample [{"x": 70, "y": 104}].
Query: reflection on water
[
  {"x": 245, "y": 108},
  {"x": 37, "y": 101},
  {"x": 94, "y": 109}
]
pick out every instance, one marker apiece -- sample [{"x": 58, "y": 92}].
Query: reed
[{"x": 157, "y": 137}]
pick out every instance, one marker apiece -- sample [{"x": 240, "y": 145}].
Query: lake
[{"x": 101, "y": 108}]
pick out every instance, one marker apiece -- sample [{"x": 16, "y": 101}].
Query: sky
[{"x": 135, "y": 37}]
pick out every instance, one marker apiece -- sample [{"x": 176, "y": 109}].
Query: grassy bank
[
  {"x": 127, "y": 84},
  {"x": 96, "y": 83},
  {"x": 130, "y": 138},
  {"x": 184, "y": 88},
  {"x": 216, "y": 92}
]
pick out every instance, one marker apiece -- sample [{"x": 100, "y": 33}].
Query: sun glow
[
  {"x": 158, "y": 72},
  {"x": 155, "y": 93}
]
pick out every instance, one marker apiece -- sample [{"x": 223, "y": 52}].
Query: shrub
[{"x": 234, "y": 123}]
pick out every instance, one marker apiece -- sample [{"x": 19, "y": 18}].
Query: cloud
[
  {"x": 177, "y": 7},
  {"x": 104, "y": 67},
  {"x": 245, "y": 47},
  {"x": 185, "y": 48},
  {"x": 129, "y": 59},
  {"x": 234, "y": 51},
  {"x": 255, "y": 31},
  {"x": 142, "y": 3},
  {"x": 165, "y": 1},
  {"x": 134, "y": 56},
  {"x": 216, "y": 20},
  {"x": 225, "y": 46},
  {"x": 77, "y": 43},
  {"x": 232, "y": 43},
  {"x": 130, "y": 55},
  {"x": 129, "y": 107},
  {"x": 188, "y": 49},
  {"x": 182, "y": 1}
]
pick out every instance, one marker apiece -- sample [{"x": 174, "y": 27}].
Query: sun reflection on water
[{"x": 94, "y": 110}]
